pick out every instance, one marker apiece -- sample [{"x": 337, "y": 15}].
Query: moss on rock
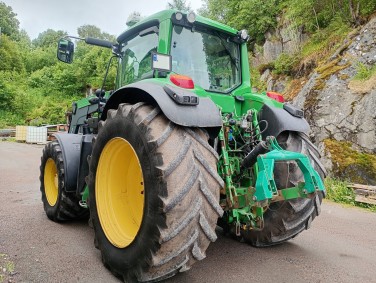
[{"x": 350, "y": 164}]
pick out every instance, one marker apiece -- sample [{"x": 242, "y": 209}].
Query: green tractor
[{"x": 182, "y": 145}]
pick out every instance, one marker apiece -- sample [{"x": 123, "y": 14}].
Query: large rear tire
[
  {"x": 58, "y": 204},
  {"x": 154, "y": 194},
  {"x": 286, "y": 219}
]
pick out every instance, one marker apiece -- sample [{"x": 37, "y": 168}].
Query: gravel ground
[{"x": 339, "y": 247}]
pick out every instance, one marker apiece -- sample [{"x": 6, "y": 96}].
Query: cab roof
[{"x": 161, "y": 16}]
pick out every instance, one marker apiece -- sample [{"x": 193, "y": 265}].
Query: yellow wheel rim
[
  {"x": 119, "y": 192},
  {"x": 51, "y": 186}
]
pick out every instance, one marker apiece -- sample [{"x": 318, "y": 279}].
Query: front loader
[{"x": 180, "y": 146}]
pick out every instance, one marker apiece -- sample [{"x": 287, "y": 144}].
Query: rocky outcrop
[
  {"x": 342, "y": 110},
  {"x": 284, "y": 39}
]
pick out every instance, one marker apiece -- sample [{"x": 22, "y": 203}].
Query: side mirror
[{"x": 65, "y": 50}]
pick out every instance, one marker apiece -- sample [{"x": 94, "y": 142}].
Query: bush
[
  {"x": 284, "y": 64},
  {"x": 9, "y": 119},
  {"x": 338, "y": 191}
]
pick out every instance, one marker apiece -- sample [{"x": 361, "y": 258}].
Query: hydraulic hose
[{"x": 251, "y": 158}]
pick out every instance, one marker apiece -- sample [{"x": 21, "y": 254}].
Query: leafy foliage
[
  {"x": 181, "y": 5},
  {"x": 10, "y": 55},
  {"x": 48, "y": 38},
  {"x": 93, "y": 31},
  {"x": 8, "y": 21},
  {"x": 339, "y": 191},
  {"x": 284, "y": 64},
  {"x": 257, "y": 16},
  {"x": 35, "y": 88}
]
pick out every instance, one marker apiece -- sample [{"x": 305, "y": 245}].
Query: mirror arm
[
  {"x": 94, "y": 41},
  {"x": 75, "y": 37},
  {"x": 105, "y": 76},
  {"x": 99, "y": 42}
]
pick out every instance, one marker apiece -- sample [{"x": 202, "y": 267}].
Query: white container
[
  {"x": 36, "y": 135},
  {"x": 21, "y": 133}
]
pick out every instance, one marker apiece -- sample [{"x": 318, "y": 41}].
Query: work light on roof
[
  {"x": 244, "y": 34},
  {"x": 191, "y": 17},
  {"x": 178, "y": 16}
]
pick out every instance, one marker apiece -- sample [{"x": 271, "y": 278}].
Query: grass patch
[
  {"x": 325, "y": 41},
  {"x": 321, "y": 45},
  {"x": 6, "y": 139},
  {"x": 6, "y": 268},
  {"x": 364, "y": 72},
  {"x": 338, "y": 191},
  {"x": 365, "y": 79}
]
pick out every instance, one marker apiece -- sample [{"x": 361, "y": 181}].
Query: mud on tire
[
  {"x": 58, "y": 205},
  {"x": 181, "y": 202},
  {"x": 286, "y": 219}
]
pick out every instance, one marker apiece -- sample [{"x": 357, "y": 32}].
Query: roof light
[
  {"x": 276, "y": 96},
  {"x": 191, "y": 17},
  {"x": 243, "y": 34},
  {"x": 133, "y": 19},
  {"x": 182, "y": 81},
  {"x": 178, "y": 16}
]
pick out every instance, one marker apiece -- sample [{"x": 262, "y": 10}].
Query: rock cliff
[{"x": 342, "y": 109}]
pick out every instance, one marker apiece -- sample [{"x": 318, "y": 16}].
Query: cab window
[{"x": 135, "y": 63}]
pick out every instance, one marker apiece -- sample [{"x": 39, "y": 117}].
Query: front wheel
[
  {"x": 154, "y": 194},
  {"x": 58, "y": 204}
]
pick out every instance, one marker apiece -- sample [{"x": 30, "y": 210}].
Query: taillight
[
  {"x": 182, "y": 81},
  {"x": 276, "y": 96}
]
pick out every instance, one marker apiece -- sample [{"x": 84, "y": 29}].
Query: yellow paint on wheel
[
  {"x": 51, "y": 187},
  {"x": 119, "y": 192}
]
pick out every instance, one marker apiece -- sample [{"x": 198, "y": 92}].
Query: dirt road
[{"x": 339, "y": 247}]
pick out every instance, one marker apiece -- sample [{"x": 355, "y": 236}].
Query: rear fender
[
  {"x": 280, "y": 120},
  {"x": 204, "y": 115}
]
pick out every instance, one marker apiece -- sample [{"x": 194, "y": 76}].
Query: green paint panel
[{"x": 83, "y": 102}]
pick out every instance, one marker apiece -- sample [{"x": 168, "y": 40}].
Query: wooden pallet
[{"x": 364, "y": 193}]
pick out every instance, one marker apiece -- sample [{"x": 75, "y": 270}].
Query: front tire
[
  {"x": 284, "y": 220},
  {"x": 154, "y": 194},
  {"x": 58, "y": 204}
]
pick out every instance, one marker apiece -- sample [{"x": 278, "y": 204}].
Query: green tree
[
  {"x": 317, "y": 14},
  {"x": 93, "y": 31},
  {"x": 24, "y": 40},
  {"x": 180, "y": 5},
  {"x": 10, "y": 55},
  {"x": 48, "y": 38},
  {"x": 257, "y": 16},
  {"x": 7, "y": 92},
  {"x": 133, "y": 19},
  {"x": 218, "y": 10},
  {"x": 8, "y": 22}
]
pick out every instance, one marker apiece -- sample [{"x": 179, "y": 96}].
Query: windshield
[{"x": 210, "y": 59}]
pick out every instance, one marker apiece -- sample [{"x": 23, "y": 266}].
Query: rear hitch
[{"x": 265, "y": 184}]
